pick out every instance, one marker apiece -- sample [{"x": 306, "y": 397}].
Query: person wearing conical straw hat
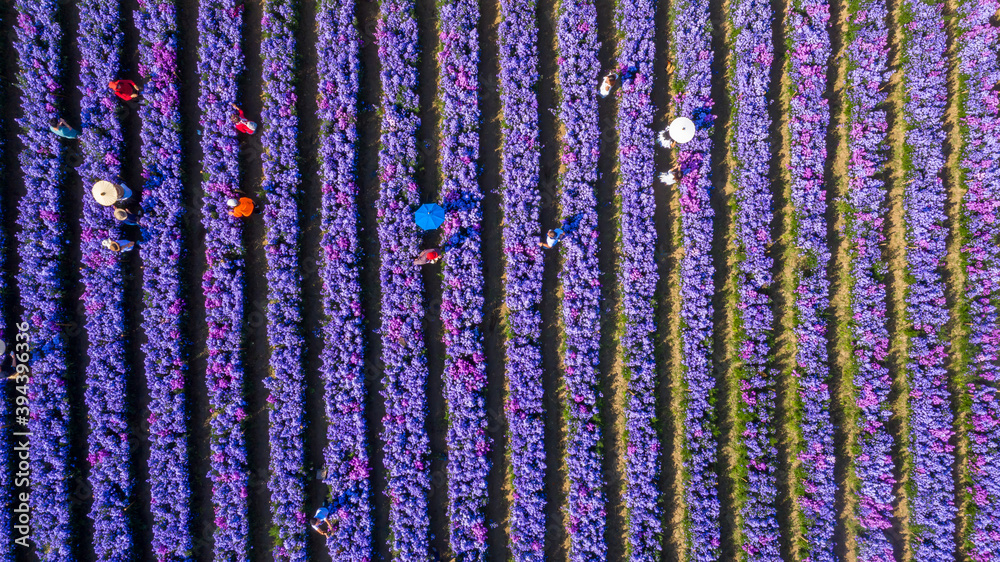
[
  {"x": 107, "y": 193},
  {"x": 118, "y": 245},
  {"x": 126, "y": 216}
]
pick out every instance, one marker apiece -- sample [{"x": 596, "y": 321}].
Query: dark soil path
[
  {"x": 842, "y": 413},
  {"x": 611, "y": 407},
  {"x": 954, "y": 278},
  {"x": 498, "y": 506},
  {"x": 140, "y": 511},
  {"x": 784, "y": 253},
  {"x": 310, "y": 204},
  {"x": 81, "y": 495},
  {"x": 428, "y": 178},
  {"x": 13, "y": 191},
  {"x": 551, "y": 337},
  {"x": 193, "y": 267},
  {"x": 368, "y": 141},
  {"x": 256, "y": 348},
  {"x": 666, "y": 218},
  {"x": 894, "y": 254},
  {"x": 721, "y": 199}
]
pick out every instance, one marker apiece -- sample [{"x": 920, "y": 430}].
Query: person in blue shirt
[
  {"x": 126, "y": 216},
  {"x": 552, "y": 238},
  {"x": 323, "y": 522},
  {"x": 62, "y": 128}
]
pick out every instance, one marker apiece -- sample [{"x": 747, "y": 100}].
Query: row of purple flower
[
  {"x": 279, "y": 191},
  {"x": 404, "y": 435},
  {"x": 868, "y": 56},
  {"x": 220, "y": 64},
  {"x": 979, "y": 69},
  {"x": 749, "y": 82},
  {"x": 42, "y": 250},
  {"x": 577, "y": 48},
  {"x": 101, "y": 274},
  {"x": 518, "y": 46},
  {"x": 406, "y": 455},
  {"x": 932, "y": 505},
  {"x": 346, "y": 455},
  {"x": 638, "y": 276},
  {"x": 691, "y": 50},
  {"x": 164, "y": 313},
  {"x": 808, "y": 120},
  {"x": 462, "y": 293}
]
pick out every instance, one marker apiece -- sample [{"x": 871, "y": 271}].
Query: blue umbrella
[{"x": 429, "y": 216}]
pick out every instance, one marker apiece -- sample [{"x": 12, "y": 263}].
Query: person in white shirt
[
  {"x": 671, "y": 176},
  {"x": 551, "y": 238},
  {"x": 609, "y": 82}
]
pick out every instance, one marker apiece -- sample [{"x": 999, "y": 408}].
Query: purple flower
[
  {"x": 692, "y": 50},
  {"x": 518, "y": 37},
  {"x": 346, "y": 456},
  {"x": 42, "y": 250},
  {"x": 404, "y": 436},
  {"x": 220, "y": 63},
  {"x": 165, "y": 311},
  {"x": 578, "y": 46},
  {"x": 978, "y": 65}
]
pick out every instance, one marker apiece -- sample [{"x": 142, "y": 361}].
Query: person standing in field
[
  {"x": 125, "y": 89},
  {"x": 118, "y": 245},
  {"x": 8, "y": 369},
  {"x": 241, "y": 122},
  {"x": 241, "y": 208},
  {"x": 323, "y": 522},
  {"x": 62, "y": 128},
  {"x": 608, "y": 83},
  {"x": 427, "y": 256},
  {"x": 671, "y": 176},
  {"x": 126, "y": 216},
  {"x": 552, "y": 238}
]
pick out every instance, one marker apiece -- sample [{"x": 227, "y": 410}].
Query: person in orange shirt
[
  {"x": 241, "y": 208},
  {"x": 125, "y": 89}
]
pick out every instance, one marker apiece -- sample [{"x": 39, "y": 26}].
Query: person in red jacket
[
  {"x": 243, "y": 124},
  {"x": 427, "y": 256},
  {"x": 125, "y": 89}
]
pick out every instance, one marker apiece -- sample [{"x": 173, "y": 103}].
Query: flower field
[{"x": 788, "y": 352}]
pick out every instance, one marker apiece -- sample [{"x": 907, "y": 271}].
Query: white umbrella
[
  {"x": 106, "y": 193},
  {"x": 681, "y": 130}
]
